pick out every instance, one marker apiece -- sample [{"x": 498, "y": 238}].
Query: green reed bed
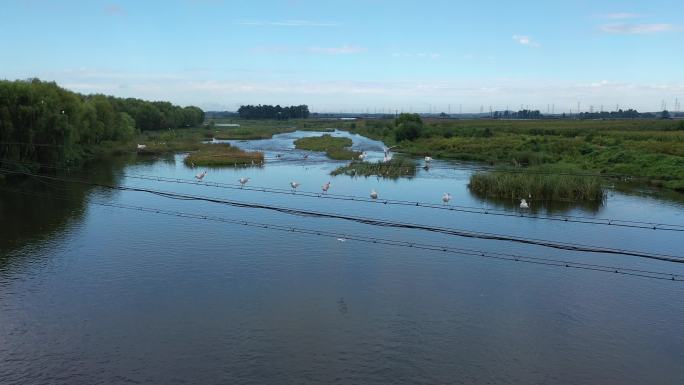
[{"x": 547, "y": 187}]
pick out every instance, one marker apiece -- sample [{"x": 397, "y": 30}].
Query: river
[{"x": 93, "y": 293}]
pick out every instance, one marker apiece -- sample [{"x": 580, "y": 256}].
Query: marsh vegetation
[
  {"x": 396, "y": 167},
  {"x": 221, "y": 155},
  {"x": 334, "y": 148}
]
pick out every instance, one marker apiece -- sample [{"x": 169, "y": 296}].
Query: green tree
[{"x": 408, "y": 127}]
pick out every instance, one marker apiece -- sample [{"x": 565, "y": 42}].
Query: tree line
[
  {"x": 274, "y": 112},
  {"x": 42, "y": 122}
]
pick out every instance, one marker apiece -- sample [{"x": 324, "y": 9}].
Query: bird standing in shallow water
[
  {"x": 374, "y": 194},
  {"x": 524, "y": 204},
  {"x": 325, "y": 187},
  {"x": 294, "y": 186},
  {"x": 446, "y": 198},
  {"x": 200, "y": 176},
  {"x": 243, "y": 181},
  {"x": 362, "y": 156}
]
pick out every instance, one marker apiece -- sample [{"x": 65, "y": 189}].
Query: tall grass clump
[{"x": 547, "y": 187}]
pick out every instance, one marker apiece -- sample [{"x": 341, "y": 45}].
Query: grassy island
[{"x": 334, "y": 148}]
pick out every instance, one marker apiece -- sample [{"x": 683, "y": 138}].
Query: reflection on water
[
  {"x": 93, "y": 294},
  {"x": 26, "y": 215},
  {"x": 540, "y": 207}
]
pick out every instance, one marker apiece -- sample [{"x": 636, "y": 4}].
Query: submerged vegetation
[
  {"x": 394, "y": 168},
  {"x": 334, "y": 148},
  {"x": 547, "y": 187},
  {"x": 223, "y": 154}
]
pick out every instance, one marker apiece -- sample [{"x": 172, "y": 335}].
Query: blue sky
[{"x": 354, "y": 55}]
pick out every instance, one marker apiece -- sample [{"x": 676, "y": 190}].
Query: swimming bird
[
  {"x": 341, "y": 239},
  {"x": 374, "y": 194},
  {"x": 200, "y": 176},
  {"x": 446, "y": 198},
  {"x": 142, "y": 147},
  {"x": 428, "y": 159},
  {"x": 325, "y": 187},
  {"x": 524, "y": 204},
  {"x": 306, "y": 156},
  {"x": 294, "y": 186},
  {"x": 243, "y": 181}
]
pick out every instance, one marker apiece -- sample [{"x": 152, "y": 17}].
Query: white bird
[
  {"x": 201, "y": 175},
  {"x": 243, "y": 181},
  {"x": 294, "y": 185},
  {"x": 325, "y": 187},
  {"x": 341, "y": 239},
  {"x": 446, "y": 198},
  {"x": 524, "y": 204},
  {"x": 362, "y": 155},
  {"x": 142, "y": 147},
  {"x": 388, "y": 149},
  {"x": 374, "y": 194},
  {"x": 428, "y": 159}
]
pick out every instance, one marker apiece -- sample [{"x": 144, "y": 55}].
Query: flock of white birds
[{"x": 446, "y": 197}]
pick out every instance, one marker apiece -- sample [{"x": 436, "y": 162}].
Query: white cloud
[
  {"x": 421, "y": 55},
  {"x": 343, "y": 50},
  {"x": 621, "y": 16},
  {"x": 634, "y": 29},
  {"x": 602, "y": 83},
  {"x": 284, "y": 50},
  {"x": 526, "y": 40},
  {"x": 211, "y": 90},
  {"x": 286, "y": 23}
]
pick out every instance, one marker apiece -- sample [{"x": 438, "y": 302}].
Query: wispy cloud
[
  {"x": 115, "y": 10},
  {"x": 526, "y": 40},
  {"x": 331, "y": 95},
  {"x": 343, "y": 50},
  {"x": 633, "y": 29},
  {"x": 620, "y": 16},
  {"x": 286, "y": 23},
  {"x": 419, "y": 55}
]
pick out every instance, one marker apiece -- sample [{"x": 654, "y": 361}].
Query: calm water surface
[{"x": 92, "y": 294}]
